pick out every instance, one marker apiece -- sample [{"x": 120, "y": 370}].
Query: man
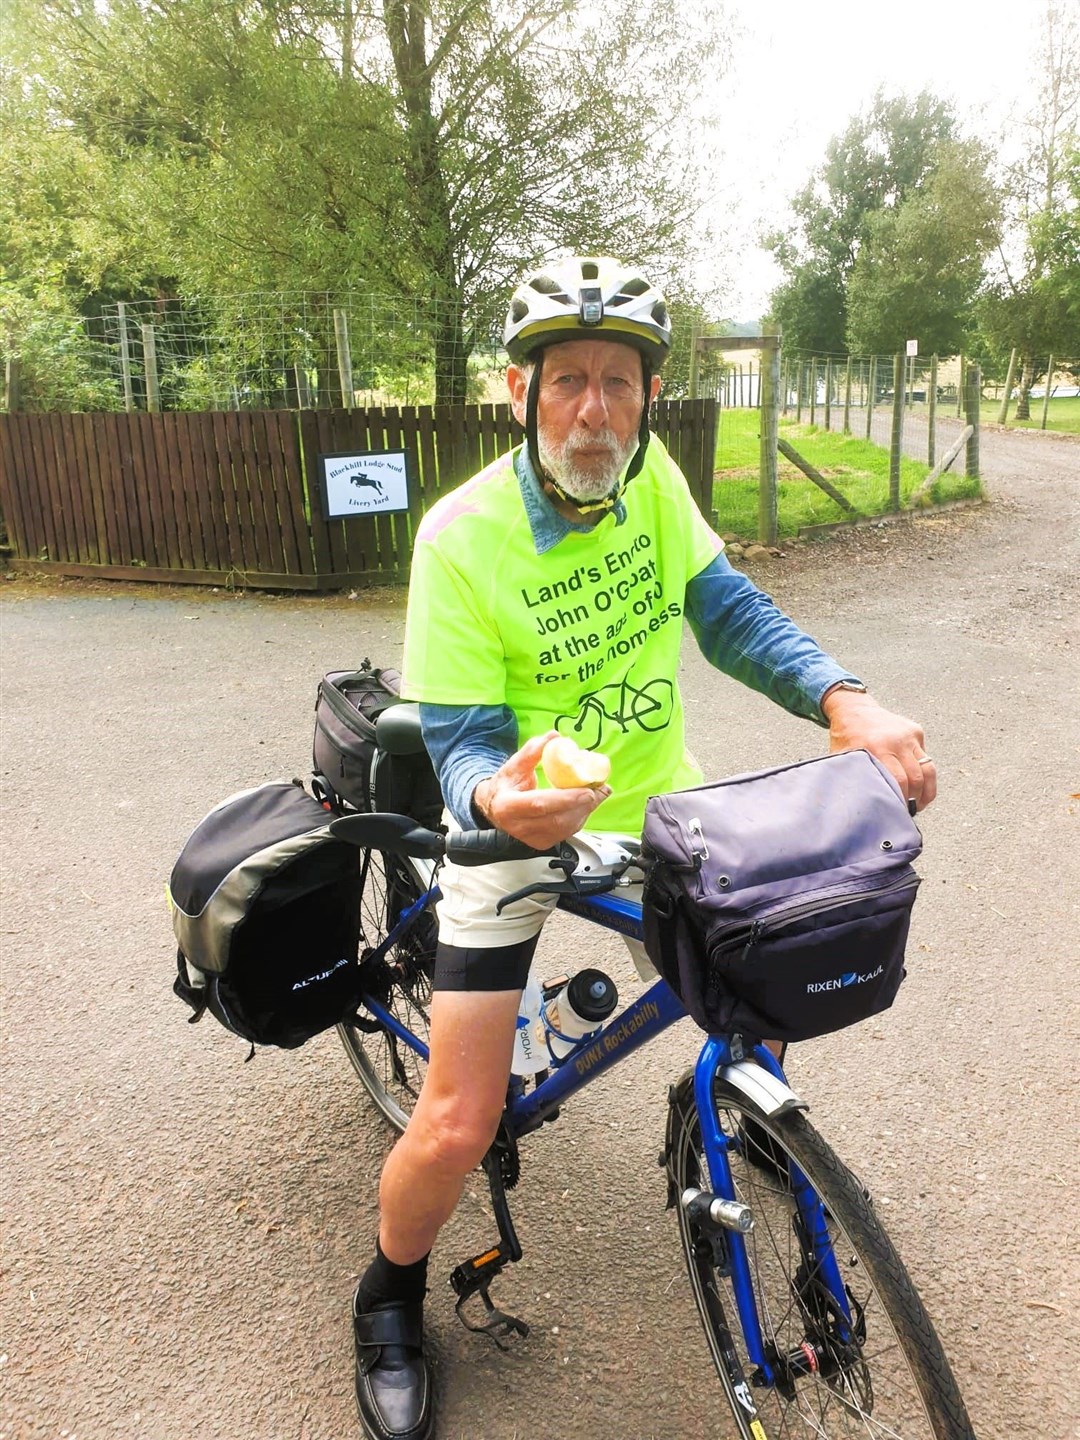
[{"x": 553, "y": 585}]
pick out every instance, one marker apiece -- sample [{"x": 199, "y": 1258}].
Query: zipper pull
[
  {"x": 756, "y": 930},
  {"x": 694, "y": 827}
]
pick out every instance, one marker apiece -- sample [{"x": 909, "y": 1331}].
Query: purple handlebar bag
[{"x": 777, "y": 904}]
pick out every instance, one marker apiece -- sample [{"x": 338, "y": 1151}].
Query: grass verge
[{"x": 857, "y": 468}]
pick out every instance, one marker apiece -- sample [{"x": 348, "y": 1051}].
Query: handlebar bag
[
  {"x": 348, "y": 704},
  {"x": 265, "y": 906},
  {"x": 777, "y": 904}
]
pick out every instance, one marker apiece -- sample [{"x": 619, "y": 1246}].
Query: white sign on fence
[
  {"x": 913, "y": 347},
  {"x": 368, "y": 482}
]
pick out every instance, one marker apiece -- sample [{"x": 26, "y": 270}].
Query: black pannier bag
[
  {"x": 777, "y": 905},
  {"x": 348, "y": 704},
  {"x": 266, "y": 909}
]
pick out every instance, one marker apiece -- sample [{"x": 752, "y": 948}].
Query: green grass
[
  {"x": 1062, "y": 414},
  {"x": 858, "y": 469}
]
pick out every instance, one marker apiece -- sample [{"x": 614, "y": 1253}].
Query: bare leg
[{"x": 454, "y": 1121}]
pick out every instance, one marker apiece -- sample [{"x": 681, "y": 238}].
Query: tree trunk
[
  {"x": 1023, "y": 398},
  {"x": 406, "y": 29},
  {"x": 452, "y": 349}
]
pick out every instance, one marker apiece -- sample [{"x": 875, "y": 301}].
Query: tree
[
  {"x": 1032, "y": 305},
  {"x": 921, "y": 262},
  {"x": 412, "y": 148},
  {"x": 530, "y": 130},
  {"x": 882, "y": 157}
]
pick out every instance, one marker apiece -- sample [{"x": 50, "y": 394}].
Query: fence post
[
  {"x": 799, "y": 392},
  {"x": 125, "y": 356},
  {"x": 899, "y": 370},
  {"x": 12, "y": 387},
  {"x": 769, "y": 465},
  {"x": 972, "y": 403},
  {"x": 847, "y": 398},
  {"x": 932, "y": 417},
  {"x": 150, "y": 370},
  {"x": 871, "y": 386},
  {"x": 828, "y": 393},
  {"x": 344, "y": 358},
  {"x": 1046, "y": 391},
  {"x": 785, "y": 382},
  {"x": 303, "y": 389},
  {"x": 960, "y": 389},
  {"x": 693, "y": 382},
  {"x": 1003, "y": 413},
  {"x": 813, "y": 388}
]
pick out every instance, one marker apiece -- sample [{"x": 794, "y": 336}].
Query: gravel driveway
[{"x": 182, "y": 1230}]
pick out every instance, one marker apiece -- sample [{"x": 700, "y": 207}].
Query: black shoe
[{"x": 393, "y": 1382}]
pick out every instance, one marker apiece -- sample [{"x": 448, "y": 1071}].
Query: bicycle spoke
[
  {"x": 391, "y": 1070},
  {"x": 839, "y": 1369}
]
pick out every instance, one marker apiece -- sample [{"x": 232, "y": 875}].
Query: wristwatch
[{"x": 854, "y": 685}]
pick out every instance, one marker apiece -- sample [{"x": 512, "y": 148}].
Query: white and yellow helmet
[{"x": 588, "y": 298}]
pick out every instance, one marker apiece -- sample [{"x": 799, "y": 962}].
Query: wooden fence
[{"x": 232, "y": 497}]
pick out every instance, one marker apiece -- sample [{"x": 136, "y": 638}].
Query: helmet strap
[{"x": 587, "y": 507}]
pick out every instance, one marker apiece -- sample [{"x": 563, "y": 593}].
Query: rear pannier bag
[
  {"x": 777, "y": 905},
  {"x": 265, "y": 905},
  {"x": 348, "y": 704}
]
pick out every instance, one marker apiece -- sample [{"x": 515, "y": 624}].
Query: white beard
[{"x": 594, "y": 481}]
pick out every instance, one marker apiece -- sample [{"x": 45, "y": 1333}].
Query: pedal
[{"x": 474, "y": 1277}]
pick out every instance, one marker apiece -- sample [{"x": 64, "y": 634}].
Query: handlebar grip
[{"x": 485, "y": 847}]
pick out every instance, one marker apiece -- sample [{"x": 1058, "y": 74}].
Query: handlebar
[{"x": 401, "y": 835}]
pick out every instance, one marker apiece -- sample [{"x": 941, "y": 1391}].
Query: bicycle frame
[{"x": 646, "y": 1018}]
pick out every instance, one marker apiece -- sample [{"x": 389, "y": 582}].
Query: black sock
[{"x": 383, "y": 1282}]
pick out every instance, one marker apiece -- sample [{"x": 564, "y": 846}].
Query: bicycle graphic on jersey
[{"x": 620, "y": 703}]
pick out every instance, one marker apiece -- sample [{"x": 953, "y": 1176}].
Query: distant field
[
  {"x": 858, "y": 469},
  {"x": 1062, "y": 414}
]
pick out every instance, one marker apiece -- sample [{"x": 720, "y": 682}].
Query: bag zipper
[
  {"x": 350, "y": 715},
  {"x": 784, "y": 913}
]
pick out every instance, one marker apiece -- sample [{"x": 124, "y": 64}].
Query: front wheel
[
  {"x": 399, "y": 981},
  {"x": 871, "y": 1366}
]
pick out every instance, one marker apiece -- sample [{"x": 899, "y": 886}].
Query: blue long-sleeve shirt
[{"x": 737, "y": 627}]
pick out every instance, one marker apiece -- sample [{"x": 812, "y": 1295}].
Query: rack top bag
[
  {"x": 345, "y": 754},
  {"x": 777, "y": 904},
  {"x": 265, "y": 905}
]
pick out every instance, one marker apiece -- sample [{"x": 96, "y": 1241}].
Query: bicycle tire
[
  {"x": 390, "y": 1071},
  {"x": 895, "y": 1380}
]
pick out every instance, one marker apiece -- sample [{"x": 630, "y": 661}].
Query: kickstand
[{"x": 474, "y": 1276}]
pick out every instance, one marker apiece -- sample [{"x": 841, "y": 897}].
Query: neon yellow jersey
[{"x": 583, "y": 639}]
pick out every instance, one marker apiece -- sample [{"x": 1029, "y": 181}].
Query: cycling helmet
[
  {"x": 585, "y": 299},
  {"x": 579, "y": 299}
]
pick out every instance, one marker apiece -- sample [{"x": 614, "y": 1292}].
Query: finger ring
[{"x": 926, "y": 760}]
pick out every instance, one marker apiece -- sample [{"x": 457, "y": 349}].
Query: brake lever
[{"x": 572, "y": 885}]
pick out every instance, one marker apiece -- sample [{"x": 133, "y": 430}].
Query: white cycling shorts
[{"x": 467, "y": 914}]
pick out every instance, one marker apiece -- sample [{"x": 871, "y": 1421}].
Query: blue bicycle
[{"x": 813, "y": 1324}]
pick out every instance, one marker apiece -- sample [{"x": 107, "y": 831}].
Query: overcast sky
[{"x": 802, "y": 68}]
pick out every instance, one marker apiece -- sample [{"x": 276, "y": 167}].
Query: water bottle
[
  {"x": 579, "y": 1008},
  {"x": 530, "y": 1049}
]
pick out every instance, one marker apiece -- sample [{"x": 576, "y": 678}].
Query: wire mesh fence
[
  {"x": 267, "y": 350},
  {"x": 292, "y": 350},
  {"x": 857, "y": 435}
]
